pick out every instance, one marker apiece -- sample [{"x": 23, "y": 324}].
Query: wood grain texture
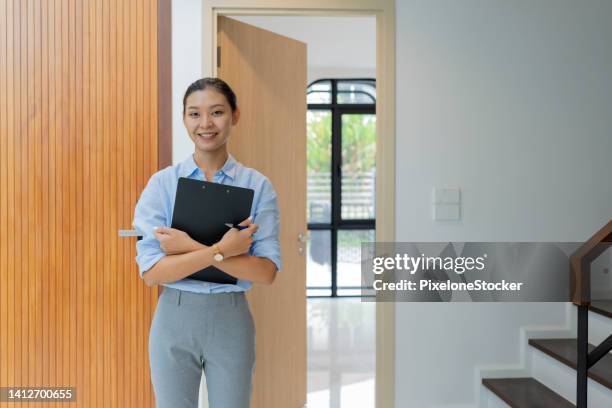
[
  {"x": 268, "y": 74},
  {"x": 78, "y": 141}
]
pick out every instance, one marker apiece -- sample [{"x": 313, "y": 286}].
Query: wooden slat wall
[{"x": 78, "y": 141}]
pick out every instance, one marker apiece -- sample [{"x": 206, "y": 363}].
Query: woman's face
[{"x": 209, "y": 119}]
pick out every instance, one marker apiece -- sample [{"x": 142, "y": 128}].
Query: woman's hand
[
  {"x": 173, "y": 241},
  {"x": 236, "y": 242}
]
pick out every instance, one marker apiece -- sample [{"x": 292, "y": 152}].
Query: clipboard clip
[{"x": 238, "y": 227}]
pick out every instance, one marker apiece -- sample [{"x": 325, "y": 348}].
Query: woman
[{"x": 200, "y": 325}]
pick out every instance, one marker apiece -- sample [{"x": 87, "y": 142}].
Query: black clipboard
[{"x": 202, "y": 208}]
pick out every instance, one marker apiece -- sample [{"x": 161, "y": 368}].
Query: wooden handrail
[{"x": 580, "y": 264}]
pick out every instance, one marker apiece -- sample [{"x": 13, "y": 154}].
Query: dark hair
[{"x": 217, "y": 84}]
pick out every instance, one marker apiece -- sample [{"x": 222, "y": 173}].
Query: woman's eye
[
  {"x": 218, "y": 113},
  {"x": 194, "y": 114}
]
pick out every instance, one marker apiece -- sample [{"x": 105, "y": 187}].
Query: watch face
[{"x": 218, "y": 257}]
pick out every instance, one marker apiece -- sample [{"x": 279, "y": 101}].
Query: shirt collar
[{"x": 189, "y": 166}]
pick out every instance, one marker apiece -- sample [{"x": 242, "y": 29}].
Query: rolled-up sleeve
[
  {"x": 265, "y": 240},
  {"x": 148, "y": 214}
]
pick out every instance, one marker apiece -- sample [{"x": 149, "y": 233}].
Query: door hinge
[{"x": 218, "y": 57}]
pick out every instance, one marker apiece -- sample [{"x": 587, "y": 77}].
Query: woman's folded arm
[
  {"x": 172, "y": 268},
  {"x": 249, "y": 267}
]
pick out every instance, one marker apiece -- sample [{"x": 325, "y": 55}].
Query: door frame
[{"x": 384, "y": 11}]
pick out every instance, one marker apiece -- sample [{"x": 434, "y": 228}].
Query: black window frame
[{"x": 337, "y": 223}]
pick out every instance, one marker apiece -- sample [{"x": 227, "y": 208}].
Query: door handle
[
  {"x": 130, "y": 233},
  {"x": 302, "y": 239}
]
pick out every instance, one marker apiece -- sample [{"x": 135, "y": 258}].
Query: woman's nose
[{"x": 205, "y": 121}]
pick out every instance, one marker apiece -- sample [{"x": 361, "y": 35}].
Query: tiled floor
[{"x": 341, "y": 353}]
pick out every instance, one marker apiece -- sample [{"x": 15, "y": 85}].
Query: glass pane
[
  {"x": 349, "y": 260},
  {"x": 319, "y": 92},
  {"x": 358, "y": 166},
  {"x": 341, "y": 353},
  {"x": 318, "y": 166},
  {"x": 357, "y": 92},
  {"x": 318, "y": 264}
]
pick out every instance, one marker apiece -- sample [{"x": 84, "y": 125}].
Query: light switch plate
[
  {"x": 447, "y": 195},
  {"x": 447, "y": 212}
]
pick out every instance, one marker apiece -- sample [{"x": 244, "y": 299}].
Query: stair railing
[{"x": 580, "y": 286}]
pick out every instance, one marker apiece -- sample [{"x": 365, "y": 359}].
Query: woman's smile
[{"x": 207, "y": 135}]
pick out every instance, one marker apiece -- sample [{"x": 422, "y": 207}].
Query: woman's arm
[
  {"x": 172, "y": 268},
  {"x": 248, "y": 267}
]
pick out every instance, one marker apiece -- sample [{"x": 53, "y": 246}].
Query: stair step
[
  {"x": 525, "y": 393},
  {"x": 603, "y": 307},
  {"x": 564, "y": 350}
]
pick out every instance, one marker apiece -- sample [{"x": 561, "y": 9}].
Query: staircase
[{"x": 564, "y": 371}]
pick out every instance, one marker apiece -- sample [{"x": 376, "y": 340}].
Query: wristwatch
[{"x": 217, "y": 255}]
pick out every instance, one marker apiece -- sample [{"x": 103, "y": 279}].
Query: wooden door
[
  {"x": 268, "y": 73},
  {"x": 78, "y": 141}
]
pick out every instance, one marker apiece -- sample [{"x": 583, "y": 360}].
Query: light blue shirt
[{"x": 156, "y": 204}]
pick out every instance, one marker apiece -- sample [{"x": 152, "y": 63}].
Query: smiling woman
[{"x": 203, "y": 325}]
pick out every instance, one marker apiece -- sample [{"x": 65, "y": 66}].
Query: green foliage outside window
[
  {"x": 358, "y": 142},
  {"x": 318, "y": 142}
]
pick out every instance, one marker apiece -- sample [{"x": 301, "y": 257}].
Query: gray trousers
[{"x": 193, "y": 331}]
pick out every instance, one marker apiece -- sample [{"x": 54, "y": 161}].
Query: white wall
[
  {"x": 511, "y": 101},
  {"x": 186, "y": 67}
]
